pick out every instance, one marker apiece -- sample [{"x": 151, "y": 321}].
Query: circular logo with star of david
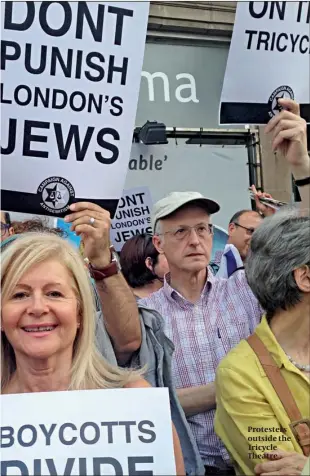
[
  {"x": 55, "y": 194},
  {"x": 281, "y": 92}
]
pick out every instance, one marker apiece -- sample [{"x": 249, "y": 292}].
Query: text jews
[
  {"x": 122, "y": 236},
  {"x": 32, "y": 133}
]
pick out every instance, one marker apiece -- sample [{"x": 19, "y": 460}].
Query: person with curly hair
[{"x": 36, "y": 225}]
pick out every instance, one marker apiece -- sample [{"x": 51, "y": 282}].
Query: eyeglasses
[
  {"x": 249, "y": 231},
  {"x": 4, "y": 228},
  {"x": 202, "y": 230}
]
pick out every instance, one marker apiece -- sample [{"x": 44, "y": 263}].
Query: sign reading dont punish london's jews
[
  {"x": 117, "y": 432},
  {"x": 268, "y": 60},
  {"x": 70, "y": 77},
  {"x": 133, "y": 216}
]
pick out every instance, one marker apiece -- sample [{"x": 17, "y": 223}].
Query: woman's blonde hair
[{"x": 89, "y": 369}]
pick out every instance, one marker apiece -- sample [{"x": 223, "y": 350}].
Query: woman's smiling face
[{"x": 41, "y": 316}]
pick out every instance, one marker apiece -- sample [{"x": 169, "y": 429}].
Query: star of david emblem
[
  {"x": 277, "y": 106},
  {"x": 280, "y": 93},
  {"x": 55, "y": 195}
]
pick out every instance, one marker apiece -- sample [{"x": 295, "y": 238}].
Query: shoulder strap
[
  {"x": 299, "y": 426},
  {"x": 276, "y": 378}
]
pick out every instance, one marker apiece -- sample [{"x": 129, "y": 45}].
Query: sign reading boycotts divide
[
  {"x": 268, "y": 59},
  {"x": 70, "y": 75},
  {"x": 118, "y": 432}
]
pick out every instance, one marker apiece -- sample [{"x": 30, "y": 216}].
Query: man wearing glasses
[
  {"x": 240, "y": 230},
  {"x": 6, "y": 227},
  {"x": 204, "y": 316}
]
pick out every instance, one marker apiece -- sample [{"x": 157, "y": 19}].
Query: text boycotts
[
  {"x": 67, "y": 434},
  {"x": 69, "y": 89},
  {"x": 134, "y": 439},
  {"x": 268, "y": 60}
]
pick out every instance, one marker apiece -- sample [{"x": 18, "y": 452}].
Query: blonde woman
[{"x": 48, "y": 321}]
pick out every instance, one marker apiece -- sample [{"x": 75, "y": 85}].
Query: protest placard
[
  {"x": 132, "y": 216},
  {"x": 268, "y": 60},
  {"x": 69, "y": 90},
  {"x": 92, "y": 432}
]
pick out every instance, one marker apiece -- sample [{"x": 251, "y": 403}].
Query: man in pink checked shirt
[{"x": 205, "y": 317}]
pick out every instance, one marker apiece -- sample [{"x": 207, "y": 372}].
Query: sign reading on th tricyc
[
  {"x": 69, "y": 90},
  {"x": 268, "y": 60}
]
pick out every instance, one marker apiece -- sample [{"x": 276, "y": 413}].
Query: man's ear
[
  {"x": 231, "y": 228},
  {"x": 11, "y": 231},
  {"x": 158, "y": 243},
  {"x": 148, "y": 263},
  {"x": 302, "y": 278}
]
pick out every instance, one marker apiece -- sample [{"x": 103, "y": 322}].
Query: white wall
[{"x": 218, "y": 172}]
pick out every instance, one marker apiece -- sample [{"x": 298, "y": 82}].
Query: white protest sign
[
  {"x": 133, "y": 216},
  {"x": 92, "y": 432},
  {"x": 268, "y": 59},
  {"x": 69, "y": 90}
]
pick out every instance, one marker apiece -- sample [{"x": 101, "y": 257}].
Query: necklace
[{"x": 303, "y": 368}]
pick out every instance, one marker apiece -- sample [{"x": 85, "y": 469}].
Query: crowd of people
[{"x": 234, "y": 351}]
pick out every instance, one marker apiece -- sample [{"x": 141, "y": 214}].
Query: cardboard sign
[
  {"x": 268, "y": 59},
  {"x": 89, "y": 432},
  {"x": 132, "y": 216},
  {"x": 70, "y": 80}
]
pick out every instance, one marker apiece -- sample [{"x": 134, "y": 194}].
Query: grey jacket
[{"x": 156, "y": 352}]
